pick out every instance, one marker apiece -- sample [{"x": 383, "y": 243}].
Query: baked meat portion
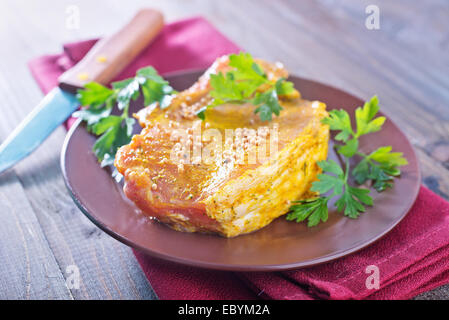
[{"x": 230, "y": 174}]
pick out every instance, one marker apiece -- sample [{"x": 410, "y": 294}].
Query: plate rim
[{"x": 239, "y": 267}]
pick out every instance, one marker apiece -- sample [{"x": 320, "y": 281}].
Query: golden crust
[{"x": 224, "y": 197}]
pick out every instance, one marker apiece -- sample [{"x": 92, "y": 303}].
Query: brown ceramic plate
[{"x": 279, "y": 246}]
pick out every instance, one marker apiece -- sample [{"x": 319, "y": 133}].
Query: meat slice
[{"x": 230, "y": 174}]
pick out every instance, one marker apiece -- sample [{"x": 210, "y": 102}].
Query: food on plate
[
  {"x": 379, "y": 167},
  {"x": 236, "y": 150},
  {"x": 224, "y": 195}
]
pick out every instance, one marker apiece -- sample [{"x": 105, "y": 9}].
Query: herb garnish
[
  {"x": 116, "y": 130},
  {"x": 244, "y": 84},
  {"x": 380, "y": 167}
]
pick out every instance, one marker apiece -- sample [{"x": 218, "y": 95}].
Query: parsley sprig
[
  {"x": 351, "y": 200},
  {"x": 379, "y": 167},
  {"x": 315, "y": 210},
  {"x": 247, "y": 83},
  {"x": 116, "y": 130}
]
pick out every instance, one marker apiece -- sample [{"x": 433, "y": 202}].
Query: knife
[{"x": 107, "y": 58}]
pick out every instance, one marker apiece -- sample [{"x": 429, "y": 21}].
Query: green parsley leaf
[
  {"x": 202, "y": 113},
  {"x": 268, "y": 104},
  {"x": 92, "y": 116},
  {"x": 241, "y": 84},
  {"x": 155, "y": 88},
  {"x": 245, "y": 68},
  {"x": 95, "y": 95},
  {"x": 380, "y": 167},
  {"x": 116, "y": 131},
  {"x": 361, "y": 172},
  {"x": 100, "y": 100},
  {"x": 225, "y": 88},
  {"x": 365, "y": 121},
  {"x": 157, "y": 92},
  {"x": 284, "y": 87},
  {"x": 381, "y": 180},
  {"x": 386, "y": 158},
  {"x": 128, "y": 92},
  {"x": 328, "y": 182},
  {"x": 314, "y": 210},
  {"x": 151, "y": 74},
  {"x": 364, "y": 117},
  {"x": 350, "y": 148},
  {"x": 353, "y": 200},
  {"x": 339, "y": 120},
  {"x": 332, "y": 167},
  {"x": 114, "y": 134}
]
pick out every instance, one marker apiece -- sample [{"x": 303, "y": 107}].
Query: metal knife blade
[{"x": 53, "y": 110}]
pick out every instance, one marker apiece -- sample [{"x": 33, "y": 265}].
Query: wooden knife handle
[{"x": 109, "y": 56}]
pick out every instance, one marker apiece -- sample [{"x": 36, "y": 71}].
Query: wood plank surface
[{"x": 405, "y": 62}]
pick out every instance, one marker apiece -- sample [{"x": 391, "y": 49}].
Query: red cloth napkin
[{"x": 411, "y": 259}]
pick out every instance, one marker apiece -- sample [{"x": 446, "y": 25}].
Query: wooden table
[{"x": 405, "y": 62}]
